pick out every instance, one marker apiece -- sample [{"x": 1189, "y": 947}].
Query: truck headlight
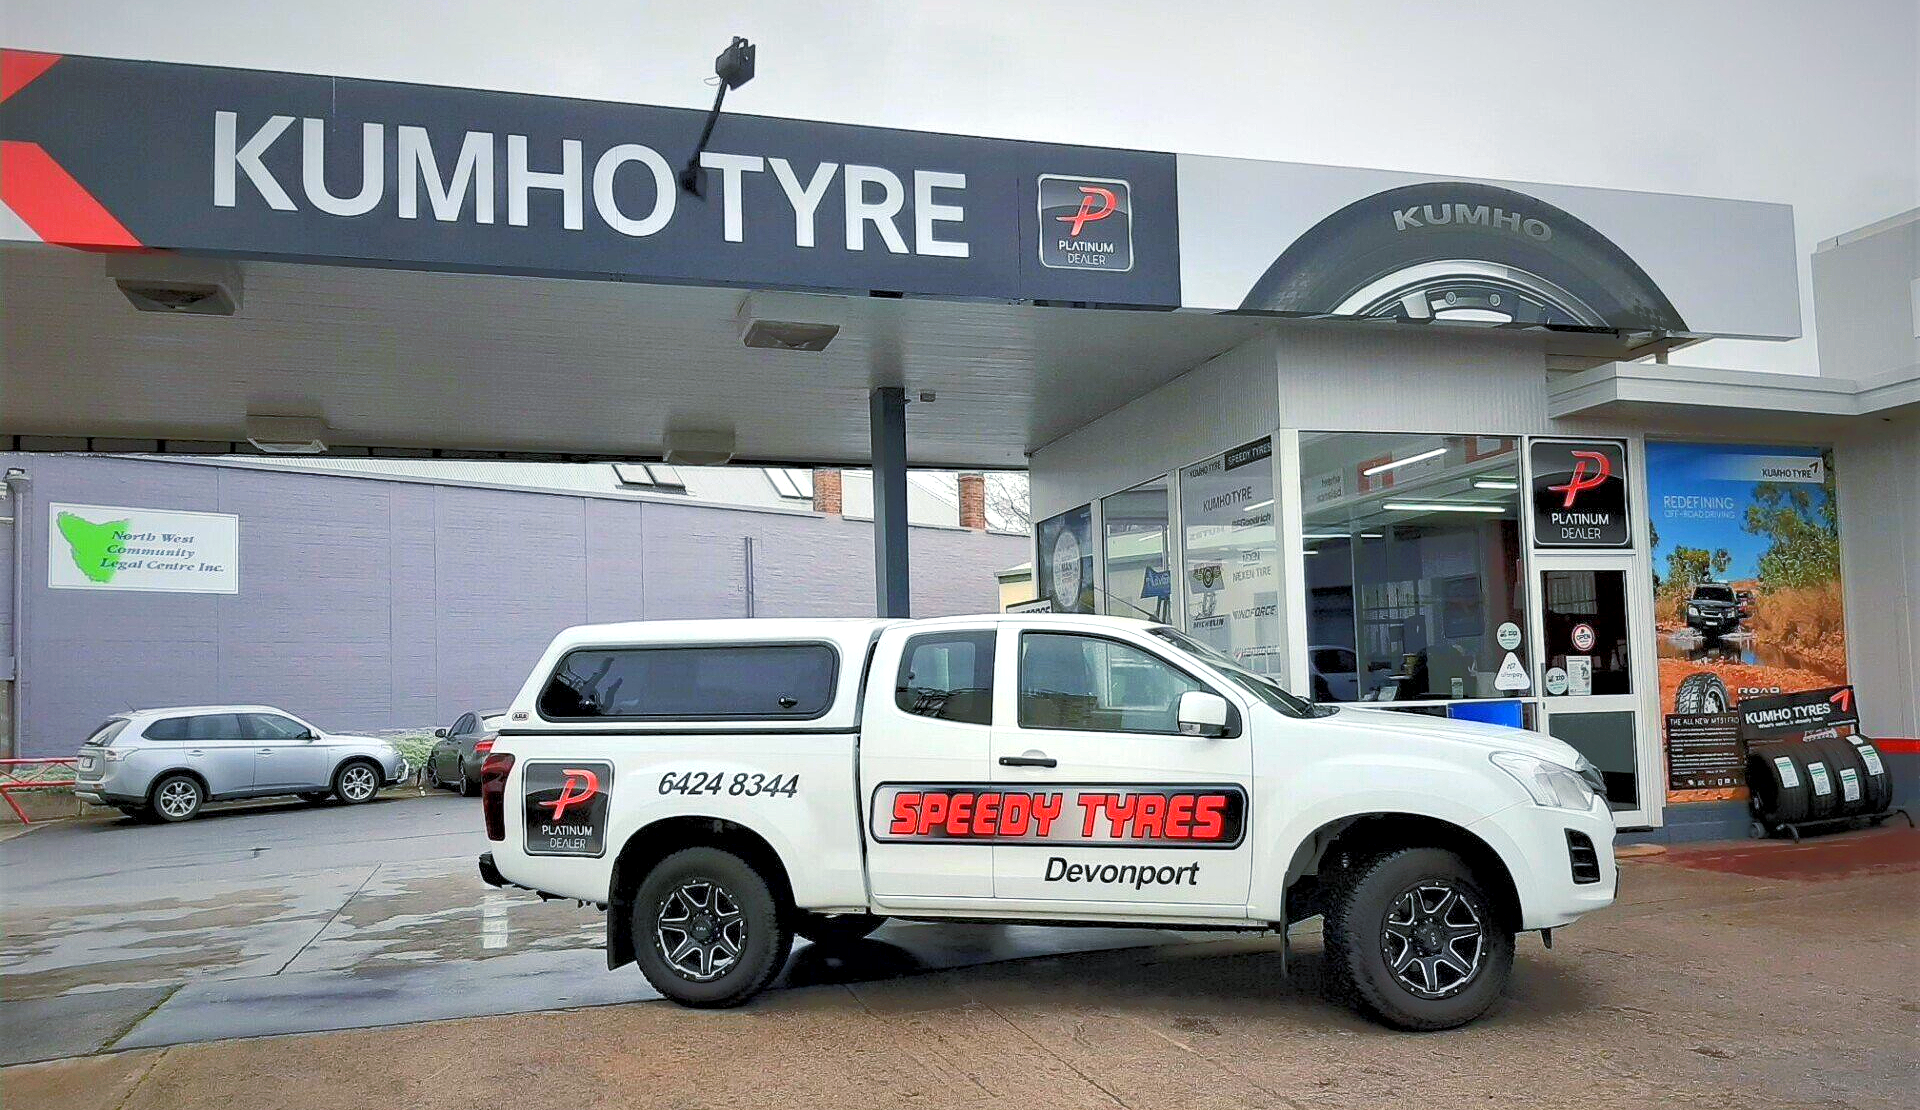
[
  {"x": 1693, "y": 610},
  {"x": 1548, "y": 784}
]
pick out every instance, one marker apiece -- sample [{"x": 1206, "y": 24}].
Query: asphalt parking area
[
  {"x": 1702, "y": 989},
  {"x": 280, "y": 917}
]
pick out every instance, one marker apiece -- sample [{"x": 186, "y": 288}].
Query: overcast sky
[{"x": 1816, "y": 104}]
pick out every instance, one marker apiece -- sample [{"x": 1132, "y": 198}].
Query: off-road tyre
[
  {"x": 762, "y": 949},
  {"x": 841, "y": 929},
  {"x": 1702, "y": 692},
  {"x": 1358, "y": 906}
]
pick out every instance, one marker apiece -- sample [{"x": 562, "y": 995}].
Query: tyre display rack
[{"x": 1823, "y": 783}]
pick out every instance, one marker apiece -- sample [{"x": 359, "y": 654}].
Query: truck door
[
  {"x": 925, "y": 733},
  {"x": 1087, "y": 736}
]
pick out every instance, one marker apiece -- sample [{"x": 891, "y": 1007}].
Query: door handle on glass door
[{"x": 1031, "y": 759}]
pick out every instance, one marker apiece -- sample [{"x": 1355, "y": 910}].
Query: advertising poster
[
  {"x": 100, "y": 547},
  {"x": 1063, "y": 571},
  {"x": 1747, "y": 595},
  {"x": 1232, "y": 554}
]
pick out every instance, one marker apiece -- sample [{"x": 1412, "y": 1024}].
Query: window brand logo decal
[
  {"x": 1110, "y": 815},
  {"x": 1579, "y": 492},
  {"x": 580, "y": 786},
  {"x": 565, "y": 807},
  {"x": 1086, "y": 223},
  {"x": 1579, "y": 483}
]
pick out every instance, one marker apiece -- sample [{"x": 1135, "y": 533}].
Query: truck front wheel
[
  {"x": 1413, "y": 938},
  {"x": 707, "y": 929}
]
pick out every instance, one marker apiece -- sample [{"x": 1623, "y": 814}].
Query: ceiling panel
[{"x": 478, "y": 362}]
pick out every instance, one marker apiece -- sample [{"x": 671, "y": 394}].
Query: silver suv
[{"x": 166, "y": 763}]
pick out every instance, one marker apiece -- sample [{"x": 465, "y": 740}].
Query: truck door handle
[
  {"x": 1028, "y": 761},
  {"x": 266, "y": 751}
]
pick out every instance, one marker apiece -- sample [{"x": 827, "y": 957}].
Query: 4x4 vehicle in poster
[{"x": 720, "y": 786}]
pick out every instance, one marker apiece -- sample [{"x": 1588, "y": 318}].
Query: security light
[
  {"x": 170, "y": 283},
  {"x": 788, "y": 335},
  {"x": 287, "y": 435},
  {"x": 699, "y": 448},
  {"x": 733, "y": 68}
]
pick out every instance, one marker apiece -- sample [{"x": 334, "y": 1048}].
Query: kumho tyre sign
[{"x": 124, "y": 154}]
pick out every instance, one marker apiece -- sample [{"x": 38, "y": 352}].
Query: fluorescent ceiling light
[
  {"x": 1370, "y": 535},
  {"x": 1324, "y": 536},
  {"x": 1258, "y": 505},
  {"x": 1494, "y": 483},
  {"x": 1385, "y": 466},
  {"x": 1443, "y": 507}
]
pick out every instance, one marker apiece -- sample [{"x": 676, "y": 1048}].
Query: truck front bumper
[{"x": 1535, "y": 842}]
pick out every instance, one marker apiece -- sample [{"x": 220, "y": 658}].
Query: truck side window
[
  {"x": 1097, "y": 685},
  {"x": 948, "y": 675},
  {"x": 717, "y": 682}
]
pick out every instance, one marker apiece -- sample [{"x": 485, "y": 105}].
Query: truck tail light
[
  {"x": 493, "y": 792},
  {"x": 483, "y": 747}
]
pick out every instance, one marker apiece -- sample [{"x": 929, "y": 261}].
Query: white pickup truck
[{"x": 719, "y": 786}]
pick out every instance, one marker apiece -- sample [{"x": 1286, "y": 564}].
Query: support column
[{"x": 887, "y": 413}]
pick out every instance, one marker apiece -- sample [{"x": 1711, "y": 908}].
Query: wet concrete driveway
[{"x": 285, "y": 918}]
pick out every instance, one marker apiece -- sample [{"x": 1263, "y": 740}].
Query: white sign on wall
[{"x": 100, "y": 547}]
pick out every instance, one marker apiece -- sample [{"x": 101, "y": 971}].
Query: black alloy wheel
[{"x": 707, "y": 929}]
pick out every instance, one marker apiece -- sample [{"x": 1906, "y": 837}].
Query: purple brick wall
[{"x": 370, "y": 604}]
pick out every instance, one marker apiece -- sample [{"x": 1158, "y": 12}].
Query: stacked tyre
[
  {"x": 1816, "y": 779},
  {"x": 1861, "y": 785},
  {"x": 1777, "y": 781}
]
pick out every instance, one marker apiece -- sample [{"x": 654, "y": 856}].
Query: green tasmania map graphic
[{"x": 93, "y": 545}]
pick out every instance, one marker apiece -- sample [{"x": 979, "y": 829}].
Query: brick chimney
[
  {"x": 973, "y": 502},
  {"x": 826, "y": 492}
]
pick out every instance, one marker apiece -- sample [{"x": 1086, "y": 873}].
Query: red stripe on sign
[
  {"x": 53, "y": 204},
  {"x": 18, "y": 68},
  {"x": 1898, "y": 746}
]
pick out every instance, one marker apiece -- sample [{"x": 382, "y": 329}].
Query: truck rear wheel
[
  {"x": 1414, "y": 940},
  {"x": 839, "y": 929},
  {"x": 707, "y": 930}
]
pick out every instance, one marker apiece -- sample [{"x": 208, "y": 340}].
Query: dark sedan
[{"x": 459, "y": 749}]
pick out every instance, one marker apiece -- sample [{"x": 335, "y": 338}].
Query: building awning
[{"x": 1709, "y": 400}]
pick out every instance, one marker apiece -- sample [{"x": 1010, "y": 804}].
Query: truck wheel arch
[
  {"x": 1363, "y": 835},
  {"x": 655, "y": 842}
]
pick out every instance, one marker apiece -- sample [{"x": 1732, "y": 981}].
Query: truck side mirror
[{"x": 1202, "y": 714}]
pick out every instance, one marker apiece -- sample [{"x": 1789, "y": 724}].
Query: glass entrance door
[{"x": 1588, "y": 678}]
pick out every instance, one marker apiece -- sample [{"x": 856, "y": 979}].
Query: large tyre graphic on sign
[{"x": 1455, "y": 250}]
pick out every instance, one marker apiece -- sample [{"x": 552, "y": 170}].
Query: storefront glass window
[
  {"x": 1136, "y": 524},
  {"x": 1064, "y": 569},
  {"x": 1231, "y": 556},
  {"x": 1412, "y": 550}
]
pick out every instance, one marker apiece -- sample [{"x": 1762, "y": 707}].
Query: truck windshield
[
  {"x": 1259, "y": 685},
  {"x": 1713, "y": 593}
]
